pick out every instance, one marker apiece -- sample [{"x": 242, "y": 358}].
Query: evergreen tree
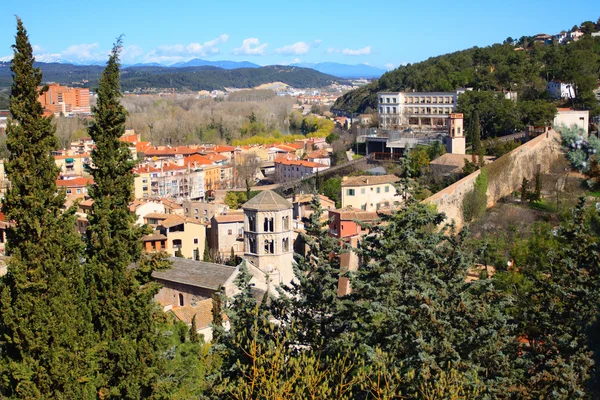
[
  {"x": 121, "y": 299},
  {"x": 217, "y": 317},
  {"x": 45, "y": 329},
  {"x": 410, "y": 298},
  {"x": 310, "y": 302},
  {"x": 194, "y": 337},
  {"x": 206, "y": 255},
  {"x": 476, "y": 136}
]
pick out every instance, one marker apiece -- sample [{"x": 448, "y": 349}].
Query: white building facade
[
  {"x": 561, "y": 90},
  {"x": 369, "y": 193}
]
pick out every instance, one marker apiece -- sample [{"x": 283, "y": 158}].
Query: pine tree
[
  {"x": 121, "y": 299},
  {"x": 44, "y": 325},
  {"x": 310, "y": 302},
  {"x": 410, "y": 298}
]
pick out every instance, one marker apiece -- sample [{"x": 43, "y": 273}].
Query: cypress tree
[
  {"x": 310, "y": 302},
  {"x": 44, "y": 326},
  {"x": 476, "y": 145},
  {"x": 121, "y": 299},
  {"x": 194, "y": 337}
]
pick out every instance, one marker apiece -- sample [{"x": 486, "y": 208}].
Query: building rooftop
[
  {"x": 196, "y": 273},
  {"x": 267, "y": 200},
  {"x": 202, "y": 310},
  {"x": 366, "y": 180},
  {"x": 349, "y": 213},
  {"x": 228, "y": 218}
]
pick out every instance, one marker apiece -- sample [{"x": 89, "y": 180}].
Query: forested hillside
[
  {"x": 181, "y": 79},
  {"x": 505, "y": 66}
]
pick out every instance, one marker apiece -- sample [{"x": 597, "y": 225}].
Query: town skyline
[{"x": 270, "y": 33}]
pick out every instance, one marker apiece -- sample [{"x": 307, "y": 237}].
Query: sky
[{"x": 382, "y": 34}]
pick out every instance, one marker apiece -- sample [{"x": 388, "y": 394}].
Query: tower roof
[{"x": 267, "y": 200}]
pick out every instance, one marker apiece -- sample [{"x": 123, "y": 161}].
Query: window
[
  {"x": 285, "y": 244},
  {"x": 229, "y": 232},
  {"x": 252, "y": 243},
  {"x": 68, "y": 191},
  {"x": 362, "y": 191},
  {"x": 269, "y": 247},
  {"x": 195, "y": 240},
  {"x": 180, "y": 300},
  {"x": 378, "y": 190},
  {"x": 177, "y": 244},
  {"x": 196, "y": 211},
  {"x": 387, "y": 109},
  {"x": 381, "y": 110},
  {"x": 394, "y": 110},
  {"x": 252, "y": 224},
  {"x": 350, "y": 192},
  {"x": 387, "y": 99},
  {"x": 78, "y": 191},
  {"x": 387, "y": 189},
  {"x": 144, "y": 180},
  {"x": 285, "y": 222},
  {"x": 145, "y": 188}
]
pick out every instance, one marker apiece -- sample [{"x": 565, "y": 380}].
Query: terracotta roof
[
  {"x": 366, "y": 180},
  {"x": 129, "y": 138},
  {"x": 85, "y": 155},
  {"x": 267, "y": 200},
  {"x": 87, "y": 203},
  {"x": 196, "y": 159},
  {"x": 75, "y": 182},
  {"x": 318, "y": 154},
  {"x": 171, "y": 203},
  {"x": 142, "y": 147},
  {"x": 161, "y": 216},
  {"x": 349, "y": 213},
  {"x": 172, "y": 220},
  {"x": 456, "y": 160},
  {"x": 153, "y": 237},
  {"x": 301, "y": 163},
  {"x": 144, "y": 169},
  {"x": 202, "y": 310},
  {"x": 285, "y": 157},
  {"x": 196, "y": 273},
  {"x": 307, "y": 198},
  {"x": 234, "y": 217}
]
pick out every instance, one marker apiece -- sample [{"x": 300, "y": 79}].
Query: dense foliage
[
  {"x": 499, "y": 67},
  {"x": 181, "y": 79}
]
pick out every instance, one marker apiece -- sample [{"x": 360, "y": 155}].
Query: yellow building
[
  {"x": 177, "y": 233},
  {"x": 73, "y": 164},
  {"x": 212, "y": 177},
  {"x": 142, "y": 181}
]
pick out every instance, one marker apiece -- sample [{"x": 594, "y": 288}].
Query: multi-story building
[
  {"x": 226, "y": 233},
  {"x": 290, "y": 170},
  {"x": 268, "y": 236},
  {"x": 561, "y": 90},
  {"x": 403, "y": 109},
  {"x": 176, "y": 181},
  {"x": 203, "y": 211},
  {"x": 66, "y": 100},
  {"x": 74, "y": 164},
  {"x": 369, "y": 193},
  {"x": 175, "y": 234},
  {"x": 75, "y": 187}
]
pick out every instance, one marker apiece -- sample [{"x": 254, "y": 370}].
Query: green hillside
[
  {"x": 517, "y": 66},
  {"x": 182, "y": 79}
]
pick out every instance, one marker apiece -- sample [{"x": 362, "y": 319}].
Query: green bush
[{"x": 475, "y": 201}]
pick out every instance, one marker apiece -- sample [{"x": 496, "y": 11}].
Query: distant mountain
[
  {"x": 147, "y": 78},
  {"x": 146, "y": 65},
  {"x": 196, "y": 62},
  {"x": 345, "y": 70}
]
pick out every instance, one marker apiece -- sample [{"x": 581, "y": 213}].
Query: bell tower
[{"x": 455, "y": 142}]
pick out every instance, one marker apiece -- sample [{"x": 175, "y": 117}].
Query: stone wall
[{"x": 505, "y": 175}]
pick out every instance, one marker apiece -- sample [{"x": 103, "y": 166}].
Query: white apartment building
[
  {"x": 173, "y": 181},
  {"x": 402, "y": 109},
  {"x": 369, "y": 193},
  {"x": 561, "y": 90}
]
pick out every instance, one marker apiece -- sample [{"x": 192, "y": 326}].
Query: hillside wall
[{"x": 505, "y": 175}]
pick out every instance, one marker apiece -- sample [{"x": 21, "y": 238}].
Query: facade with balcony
[{"x": 405, "y": 109}]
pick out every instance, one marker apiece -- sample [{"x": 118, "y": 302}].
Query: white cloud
[
  {"x": 389, "y": 66},
  {"x": 297, "y": 48},
  {"x": 170, "y": 54},
  {"x": 357, "y": 52},
  {"x": 130, "y": 53},
  {"x": 317, "y": 43},
  {"x": 332, "y": 50},
  {"x": 251, "y": 47},
  {"x": 84, "y": 52}
]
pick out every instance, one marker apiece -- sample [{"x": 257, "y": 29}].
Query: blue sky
[{"x": 383, "y": 34}]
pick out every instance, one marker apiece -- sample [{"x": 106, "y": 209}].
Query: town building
[
  {"x": 561, "y": 90},
  {"x": 268, "y": 236},
  {"x": 187, "y": 289},
  {"x": 370, "y": 193},
  {"x": 203, "y": 211},
  {"x": 456, "y": 142},
  {"x": 289, "y": 170},
  {"x": 75, "y": 187},
  {"x": 226, "y": 233},
  {"x": 74, "y": 164},
  {"x": 320, "y": 156},
  {"x": 174, "y": 233},
  {"x": 404, "y": 109},
  {"x": 302, "y": 205},
  {"x": 65, "y": 100},
  {"x": 570, "y": 117}
]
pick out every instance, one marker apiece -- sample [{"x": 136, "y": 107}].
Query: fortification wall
[{"x": 505, "y": 175}]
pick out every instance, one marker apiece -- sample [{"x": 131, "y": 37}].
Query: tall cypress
[
  {"x": 44, "y": 326},
  {"x": 121, "y": 298}
]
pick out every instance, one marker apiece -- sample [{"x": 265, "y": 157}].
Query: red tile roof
[
  {"x": 301, "y": 163},
  {"x": 74, "y": 182}
]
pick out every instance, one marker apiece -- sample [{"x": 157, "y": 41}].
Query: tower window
[{"x": 181, "y": 302}]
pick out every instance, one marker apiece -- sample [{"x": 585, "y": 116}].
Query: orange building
[{"x": 62, "y": 99}]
